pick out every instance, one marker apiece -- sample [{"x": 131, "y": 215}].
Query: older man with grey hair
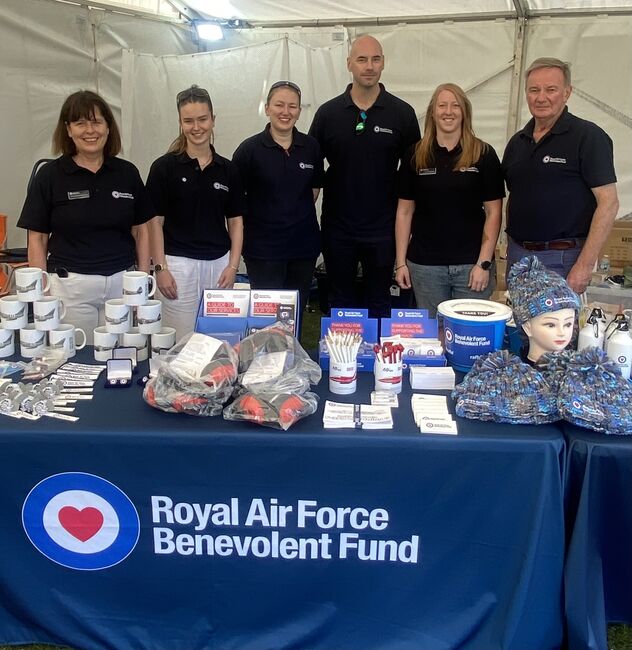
[{"x": 559, "y": 170}]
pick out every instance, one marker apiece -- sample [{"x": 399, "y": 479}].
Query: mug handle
[
  {"x": 62, "y": 310},
  {"x": 46, "y": 283},
  {"x": 152, "y": 281},
  {"x": 85, "y": 338}
]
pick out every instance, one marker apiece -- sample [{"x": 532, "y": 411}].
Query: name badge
[
  {"x": 430, "y": 171},
  {"x": 81, "y": 194}
]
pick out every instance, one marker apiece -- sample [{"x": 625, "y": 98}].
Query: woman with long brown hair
[
  {"x": 85, "y": 212},
  {"x": 449, "y": 211},
  {"x": 197, "y": 235}
]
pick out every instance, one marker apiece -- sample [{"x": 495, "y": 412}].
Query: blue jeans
[
  {"x": 559, "y": 261},
  {"x": 434, "y": 284}
]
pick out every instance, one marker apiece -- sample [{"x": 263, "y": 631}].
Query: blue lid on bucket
[{"x": 472, "y": 327}]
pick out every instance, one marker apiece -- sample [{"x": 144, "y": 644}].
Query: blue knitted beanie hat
[
  {"x": 502, "y": 388},
  {"x": 594, "y": 394},
  {"x": 536, "y": 290}
]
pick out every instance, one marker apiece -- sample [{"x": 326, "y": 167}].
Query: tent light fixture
[{"x": 208, "y": 30}]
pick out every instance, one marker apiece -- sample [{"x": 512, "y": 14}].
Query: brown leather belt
[{"x": 554, "y": 244}]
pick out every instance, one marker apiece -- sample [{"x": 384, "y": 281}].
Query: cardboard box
[{"x": 618, "y": 246}]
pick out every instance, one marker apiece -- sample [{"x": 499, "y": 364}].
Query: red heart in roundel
[{"x": 82, "y": 524}]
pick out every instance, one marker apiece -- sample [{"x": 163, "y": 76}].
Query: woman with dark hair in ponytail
[{"x": 197, "y": 235}]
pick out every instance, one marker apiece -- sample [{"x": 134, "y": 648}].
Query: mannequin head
[
  {"x": 543, "y": 305},
  {"x": 550, "y": 331}
]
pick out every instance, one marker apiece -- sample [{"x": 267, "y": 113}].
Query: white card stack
[
  {"x": 431, "y": 378},
  {"x": 356, "y": 416},
  {"x": 432, "y": 415}
]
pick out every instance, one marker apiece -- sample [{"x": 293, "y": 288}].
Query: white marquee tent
[{"x": 139, "y": 53}]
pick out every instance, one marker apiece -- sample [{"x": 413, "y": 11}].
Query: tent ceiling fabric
[{"x": 369, "y": 11}]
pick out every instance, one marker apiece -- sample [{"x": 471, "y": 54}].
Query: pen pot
[
  {"x": 343, "y": 377},
  {"x": 388, "y": 376}
]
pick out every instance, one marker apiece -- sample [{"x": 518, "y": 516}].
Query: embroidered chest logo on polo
[
  {"x": 303, "y": 165},
  {"x": 122, "y": 195},
  {"x": 551, "y": 159},
  {"x": 382, "y": 129},
  {"x": 218, "y": 186},
  {"x": 469, "y": 169}
]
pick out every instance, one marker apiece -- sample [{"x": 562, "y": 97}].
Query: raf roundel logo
[
  {"x": 115, "y": 194},
  {"x": 548, "y": 302},
  {"x": 80, "y": 521},
  {"x": 622, "y": 359},
  {"x": 448, "y": 335},
  {"x": 546, "y": 159}
]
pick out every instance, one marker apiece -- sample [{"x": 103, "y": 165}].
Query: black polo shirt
[
  {"x": 550, "y": 181},
  {"x": 359, "y": 196},
  {"x": 447, "y": 225},
  {"x": 89, "y": 215},
  {"x": 280, "y": 219},
  {"x": 195, "y": 203}
]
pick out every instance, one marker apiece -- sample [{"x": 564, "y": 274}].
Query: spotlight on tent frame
[{"x": 209, "y": 30}]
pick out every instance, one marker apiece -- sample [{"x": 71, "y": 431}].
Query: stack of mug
[
  {"x": 47, "y": 329},
  {"x": 134, "y": 321}
]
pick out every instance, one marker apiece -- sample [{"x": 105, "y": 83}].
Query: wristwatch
[
  {"x": 160, "y": 267},
  {"x": 485, "y": 265}
]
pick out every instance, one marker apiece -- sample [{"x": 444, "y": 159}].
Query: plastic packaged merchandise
[
  {"x": 279, "y": 411},
  {"x": 275, "y": 374},
  {"x": 195, "y": 377}
]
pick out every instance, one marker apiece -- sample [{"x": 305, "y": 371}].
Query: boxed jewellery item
[
  {"x": 352, "y": 322},
  {"x": 118, "y": 373}
]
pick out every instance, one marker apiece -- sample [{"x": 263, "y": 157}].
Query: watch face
[{"x": 486, "y": 265}]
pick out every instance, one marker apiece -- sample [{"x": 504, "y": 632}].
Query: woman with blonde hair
[
  {"x": 450, "y": 189},
  {"x": 196, "y": 237}
]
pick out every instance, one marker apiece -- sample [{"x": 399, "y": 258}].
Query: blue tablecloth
[
  {"x": 464, "y": 547},
  {"x": 599, "y": 520}
]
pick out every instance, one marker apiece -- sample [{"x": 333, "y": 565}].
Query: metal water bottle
[
  {"x": 613, "y": 325},
  {"x": 619, "y": 348},
  {"x": 592, "y": 334}
]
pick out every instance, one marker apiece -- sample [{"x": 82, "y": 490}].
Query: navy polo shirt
[
  {"x": 195, "y": 203},
  {"x": 359, "y": 195},
  {"x": 280, "y": 219},
  {"x": 550, "y": 181},
  {"x": 448, "y": 199},
  {"x": 89, "y": 215}
]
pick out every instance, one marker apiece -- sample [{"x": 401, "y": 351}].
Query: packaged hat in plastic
[
  {"x": 500, "y": 387},
  {"x": 275, "y": 374},
  {"x": 273, "y": 361},
  {"x": 594, "y": 394},
  {"x": 195, "y": 377}
]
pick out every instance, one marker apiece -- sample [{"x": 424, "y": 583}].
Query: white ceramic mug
[
  {"x": 149, "y": 317},
  {"x": 7, "y": 342},
  {"x": 104, "y": 342},
  {"x": 32, "y": 341},
  {"x": 13, "y": 313},
  {"x": 163, "y": 340},
  {"x": 31, "y": 283},
  {"x": 64, "y": 337},
  {"x": 138, "y": 286},
  {"x": 118, "y": 316},
  {"x": 48, "y": 312},
  {"x": 138, "y": 340}
]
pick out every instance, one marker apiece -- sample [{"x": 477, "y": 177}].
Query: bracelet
[
  {"x": 235, "y": 268},
  {"x": 401, "y": 266}
]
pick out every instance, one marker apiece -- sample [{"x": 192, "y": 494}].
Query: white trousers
[
  {"x": 192, "y": 277},
  {"x": 84, "y": 297}
]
